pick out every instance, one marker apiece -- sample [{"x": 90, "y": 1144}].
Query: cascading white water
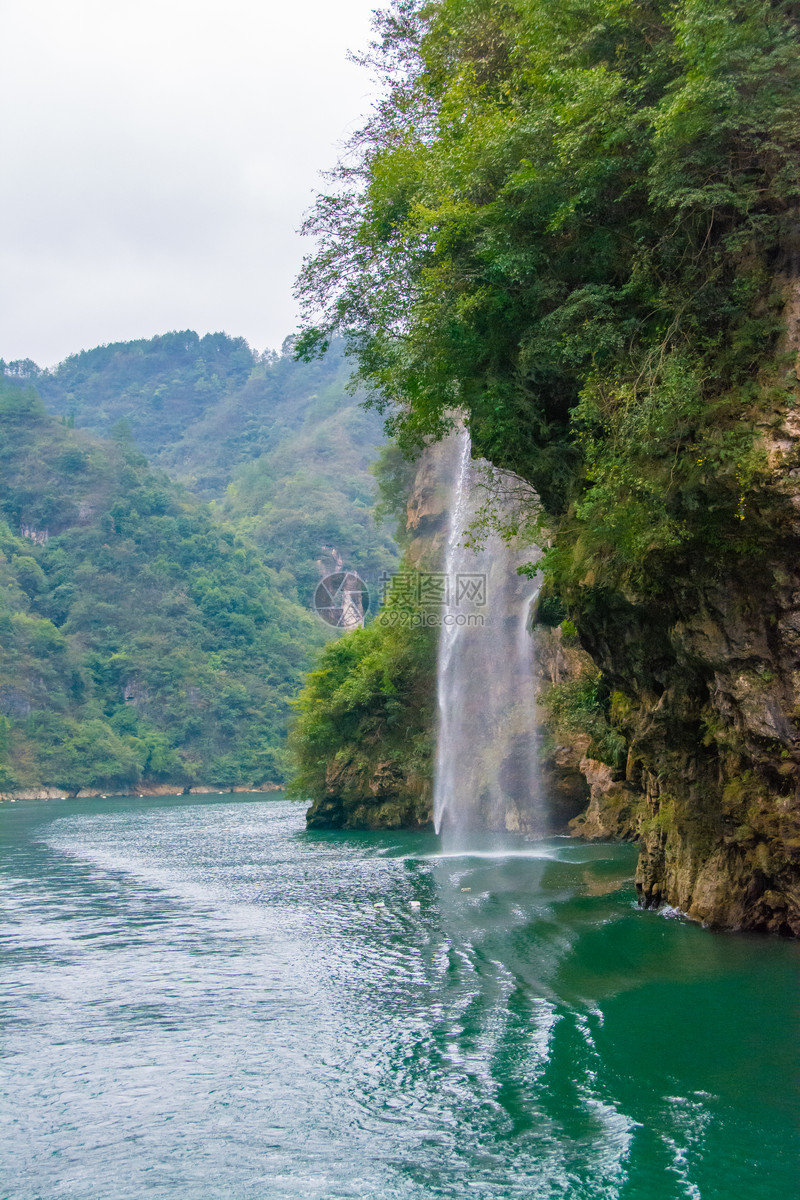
[{"x": 486, "y": 761}]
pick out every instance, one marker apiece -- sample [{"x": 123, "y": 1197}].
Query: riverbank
[{"x": 154, "y": 789}]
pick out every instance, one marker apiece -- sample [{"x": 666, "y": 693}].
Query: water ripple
[{"x": 201, "y": 1000}]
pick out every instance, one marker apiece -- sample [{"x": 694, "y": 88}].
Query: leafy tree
[{"x": 574, "y": 223}]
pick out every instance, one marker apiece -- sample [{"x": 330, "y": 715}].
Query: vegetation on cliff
[
  {"x": 565, "y": 219},
  {"x": 363, "y": 735},
  {"x": 577, "y": 224}
]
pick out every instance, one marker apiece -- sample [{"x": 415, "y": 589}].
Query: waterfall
[{"x": 486, "y": 761}]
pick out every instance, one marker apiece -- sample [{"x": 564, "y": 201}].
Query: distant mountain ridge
[
  {"x": 140, "y": 636},
  {"x": 281, "y": 446},
  {"x": 147, "y": 635}
]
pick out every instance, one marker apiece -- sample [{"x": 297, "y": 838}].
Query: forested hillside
[
  {"x": 141, "y": 637},
  {"x": 280, "y": 446}
]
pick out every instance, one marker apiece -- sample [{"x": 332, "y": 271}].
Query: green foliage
[
  {"x": 30, "y": 576},
  {"x": 140, "y": 635},
  {"x": 311, "y": 499},
  {"x": 549, "y": 609},
  {"x": 580, "y": 705},
  {"x": 282, "y": 448},
  {"x": 371, "y": 695},
  {"x": 570, "y": 221},
  {"x": 569, "y": 632},
  {"x": 150, "y": 391},
  {"x": 395, "y": 472}
]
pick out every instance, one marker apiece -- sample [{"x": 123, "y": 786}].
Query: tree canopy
[
  {"x": 140, "y": 635},
  {"x": 574, "y": 222},
  {"x": 281, "y": 448}
]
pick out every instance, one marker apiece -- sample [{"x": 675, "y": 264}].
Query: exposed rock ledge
[
  {"x": 611, "y": 812},
  {"x": 379, "y": 795}
]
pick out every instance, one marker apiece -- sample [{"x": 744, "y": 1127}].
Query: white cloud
[{"x": 158, "y": 158}]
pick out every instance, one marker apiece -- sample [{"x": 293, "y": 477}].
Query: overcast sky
[{"x": 158, "y": 156}]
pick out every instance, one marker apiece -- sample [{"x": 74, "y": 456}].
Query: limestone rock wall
[
  {"x": 364, "y": 794},
  {"x": 711, "y": 678}
]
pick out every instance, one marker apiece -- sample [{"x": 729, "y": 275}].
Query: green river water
[{"x": 200, "y": 1001}]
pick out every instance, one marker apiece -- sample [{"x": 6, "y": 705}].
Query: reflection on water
[{"x": 201, "y": 1000}]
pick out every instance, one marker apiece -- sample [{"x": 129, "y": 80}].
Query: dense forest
[
  {"x": 279, "y": 447},
  {"x": 148, "y": 633},
  {"x": 575, "y": 225},
  {"x": 568, "y": 220}
]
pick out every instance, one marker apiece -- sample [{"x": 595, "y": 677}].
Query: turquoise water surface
[{"x": 200, "y": 1001}]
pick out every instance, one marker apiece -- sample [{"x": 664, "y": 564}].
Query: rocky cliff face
[
  {"x": 428, "y": 507},
  {"x": 711, "y": 781},
  {"x": 713, "y": 756},
  {"x": 368, "y": 792},
  {"x": 708, "y": 709},
  {"x": 562, "y": 749},
  {"x": 709, "y": 681}
]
